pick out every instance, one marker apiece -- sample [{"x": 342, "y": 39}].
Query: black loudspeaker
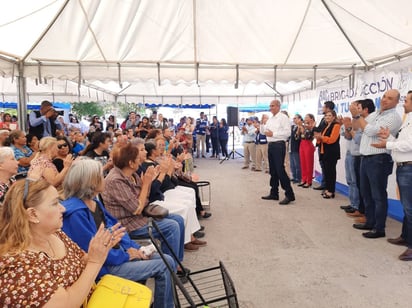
[{"x": 232, "y": 116}]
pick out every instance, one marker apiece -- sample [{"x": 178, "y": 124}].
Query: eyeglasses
[{"x": 63, "y": 145}]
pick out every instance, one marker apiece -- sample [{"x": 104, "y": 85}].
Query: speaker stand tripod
[{"x": 233, "y": 152}]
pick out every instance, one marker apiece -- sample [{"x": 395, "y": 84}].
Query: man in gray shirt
[{"x": 376, "y": 163}]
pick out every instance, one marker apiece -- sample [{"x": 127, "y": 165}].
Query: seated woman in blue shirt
[{"x": 83, "y": 216}]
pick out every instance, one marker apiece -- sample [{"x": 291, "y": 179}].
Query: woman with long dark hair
[
  {"x": 223, "y": 137},
  {"x": 95, "y": 124},
  {"x": 144, "y": 127},
  {"x": 214, "y": 136},
  {"x": 64, "y": 148},
  {"x": 98, "y": 149},
  {"x": 111, "y": 123}
]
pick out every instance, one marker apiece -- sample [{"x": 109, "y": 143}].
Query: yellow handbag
[{"x": 112, "y": 292}]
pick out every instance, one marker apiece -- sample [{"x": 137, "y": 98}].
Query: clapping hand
[
  {"x": 67, "y": 162},
  {"x": 384, "y": 133},
  {"x": 346, "y": 121},
  {"x": 150, "y": 174},
  {"x": 104, "y": 240},
  {"x": 355, "y": 108}
]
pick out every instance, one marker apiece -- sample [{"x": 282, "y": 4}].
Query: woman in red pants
[{"x": 306, "y": 150}]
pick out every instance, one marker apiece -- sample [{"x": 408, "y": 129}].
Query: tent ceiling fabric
[{"x": 202, "y": 40}]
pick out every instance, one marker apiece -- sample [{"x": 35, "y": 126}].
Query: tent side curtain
[
  {"x": 189, "y": 106},
  {"x": 13, "y": 105},
  {"x": 256, "y": 108}
]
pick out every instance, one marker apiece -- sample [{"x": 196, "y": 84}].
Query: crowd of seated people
[
  {"x": 130, "y": 172},
  {"x": 72, "y": 186}
]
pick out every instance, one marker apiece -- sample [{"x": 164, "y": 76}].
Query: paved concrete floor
[{"x": 305, "y": 254}]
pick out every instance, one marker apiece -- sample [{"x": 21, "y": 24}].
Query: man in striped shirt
[{"x": 376, "y": 163}]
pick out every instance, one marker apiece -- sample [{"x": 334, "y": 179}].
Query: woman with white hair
[
  {"x": 8, "y": 168},
  {"x": 42, "y": 166}
]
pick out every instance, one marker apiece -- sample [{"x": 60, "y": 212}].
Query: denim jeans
[
  {"x": 173, "y": 229},
  {"x": 351, "y": 180},
  {"x": 404, "y": 180},
  {"x": 356, "y": 166},
  {"x": 375, "y": 170},
  {"x": 294, "y": 159},
  {"x": 143, "y": 269}
]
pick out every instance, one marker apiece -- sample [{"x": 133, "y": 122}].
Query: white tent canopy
[{"x": 152, "y": 46}]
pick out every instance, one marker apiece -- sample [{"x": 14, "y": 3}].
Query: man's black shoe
[
  {"x": 270, "y": 197},
  {"x": 346, "y": 207},
  {"x": 374, "y": 234},
  {"x": 182, "y": 275},
  {"x": 287, "y": 200},
  {"x": 199, "y": 234},
  {"x": 351, "y": 210},
  {"x": 319, "y": 188},
  {"x": 362, "y": 227}
]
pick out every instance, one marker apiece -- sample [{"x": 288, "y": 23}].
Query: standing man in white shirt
[
  {"x": 401, "y": 147},
  {"x": 277, "y": 131}
]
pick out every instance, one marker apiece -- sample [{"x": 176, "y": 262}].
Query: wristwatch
[
  {"x": 356, "y": 117},
  {"x": 349, "y": 129}
]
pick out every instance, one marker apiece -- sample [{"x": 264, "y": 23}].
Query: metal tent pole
[{"x": 22, "y": 103}]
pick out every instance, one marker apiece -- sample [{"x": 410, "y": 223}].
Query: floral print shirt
[{"x": 29, "y": 278}]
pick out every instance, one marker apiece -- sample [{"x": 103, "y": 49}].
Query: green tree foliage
[
  {"x": 124, "y": 108},
  {"x": 88, "y": 108}
]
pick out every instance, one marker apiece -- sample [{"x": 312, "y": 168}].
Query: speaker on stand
[
  {"x": 232, "y": 120},
  {"x": 232, "y": 116}
]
